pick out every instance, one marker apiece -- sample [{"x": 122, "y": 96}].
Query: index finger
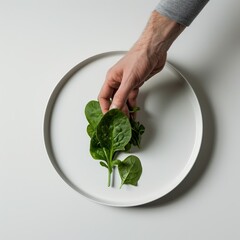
[{"x": 105, "y": 96}]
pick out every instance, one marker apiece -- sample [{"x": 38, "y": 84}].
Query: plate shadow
[{"x": 203, "y": 160}]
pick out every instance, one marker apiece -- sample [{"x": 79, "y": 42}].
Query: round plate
[{"x": 169, "y": 111}]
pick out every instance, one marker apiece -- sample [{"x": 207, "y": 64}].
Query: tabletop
[{"x": 40, "y": 42}]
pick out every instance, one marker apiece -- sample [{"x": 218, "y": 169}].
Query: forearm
[{"x": 158, "y": 35}]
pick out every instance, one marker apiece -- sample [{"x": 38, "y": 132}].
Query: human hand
[
  {"x": 142, "y": 61},
  {"x": 125, "y": 78}
]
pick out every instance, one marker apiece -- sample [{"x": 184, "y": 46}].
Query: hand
[
  {"x": 143, "y": 60},
  {"x": 125, "y": 78}
]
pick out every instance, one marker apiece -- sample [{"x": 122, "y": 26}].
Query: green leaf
[
  {"x": 137, "y": 131},
  {"x": 133, "y": 110},
  {"x": 96, "y": 149},
  {"x": 128, "y": 147},
  {"x": 110, "y": 134},
  {"x": 103, "y": 164},
  {"x": 116, "y": 162},
  {"x": 90, "y": 130},
  {"x": 114, "y": 131},
  {"x": 130, "y": 170},
  {"x": 93, "y": 113}
]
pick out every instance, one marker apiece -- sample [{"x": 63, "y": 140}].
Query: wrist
[{"x": 158, "y": 35}]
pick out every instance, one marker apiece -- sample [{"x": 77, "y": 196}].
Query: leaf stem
[
  {"x": 109, "y": 177},
  {"x": 110, "y": 167}
]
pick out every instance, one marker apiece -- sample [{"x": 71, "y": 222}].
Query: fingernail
[{"x": 113, "y": 107}]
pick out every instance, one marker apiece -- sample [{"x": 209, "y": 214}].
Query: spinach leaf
[
  {"x": 114, "y": 131},
  {"x": 130, "y": 170},
  {"x": 90, "y": 130},
  {"x": 110, "y": 134},
  {"x": 116, "y": 162},
  {"x": 103, "y": 164},
  {"x": 128, "y": 147},
  {"x": 93, "y": 114},
  {"x": 96, "y": 149},
  {"x": 137, "y": 128},
  {"x": 137, "y": 132},
  {"x": 133, "y": 110}
]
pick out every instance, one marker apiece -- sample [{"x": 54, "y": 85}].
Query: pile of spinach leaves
[{"x": 111, "y": 134}]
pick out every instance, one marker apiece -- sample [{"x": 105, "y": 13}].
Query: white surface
[
  {"x": 170, "y": 112},
  {"x": 40, "y": 42}
]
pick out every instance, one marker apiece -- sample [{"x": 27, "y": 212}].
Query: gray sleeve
[{"x": 182, "y": 11}]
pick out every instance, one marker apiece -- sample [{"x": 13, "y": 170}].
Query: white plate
[{"x": 169, "y": 110}]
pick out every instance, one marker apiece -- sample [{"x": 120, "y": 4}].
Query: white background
[{"x": 40, "y": 41}]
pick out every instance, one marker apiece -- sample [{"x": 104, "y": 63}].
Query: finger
[
  {"x": 132, "y": 101},
  {"x": 120, "y": 98},
  {"x": 132, "y": 98},
  {"x": 122, "y": 94},
  {"x": 125, "y": 110},
  {"x": 104, "y": 97}
]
